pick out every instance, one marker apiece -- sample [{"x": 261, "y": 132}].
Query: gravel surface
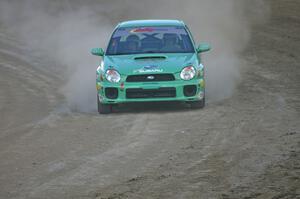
[{"x": 244, "y": 147}]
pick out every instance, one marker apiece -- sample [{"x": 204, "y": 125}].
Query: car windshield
[{"x": 162, "y": 39}]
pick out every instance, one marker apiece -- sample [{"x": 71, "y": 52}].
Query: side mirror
[
  {"x": 203, "y": 47},
  {"x": 97, "y": 52}
]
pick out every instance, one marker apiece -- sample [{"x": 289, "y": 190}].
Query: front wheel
[
  {"x": 198, "y": 104},
  {"x": 103, "y": 108}
]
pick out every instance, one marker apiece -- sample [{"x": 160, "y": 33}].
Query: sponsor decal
[
  {"x": 148, "y": 29},
  {"x": 202, "y": 83},
  {"x": 98, "y": 86},
  {"x": 201, "y": 95},
  {"x": 149, "y": 69},
  {"x": 100, "y": 98},
  {"x": 138, "y": 30},
  {"x": 100, "y": 67}
]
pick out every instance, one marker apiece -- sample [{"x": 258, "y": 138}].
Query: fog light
[
  {"x": 111, "y": 93},
  {"x": 190, "y": 90}
]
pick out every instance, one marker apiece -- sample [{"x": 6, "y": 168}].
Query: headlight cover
[
  {"x": 112, "y": 76},
  {"x": 188, "y": 73}
]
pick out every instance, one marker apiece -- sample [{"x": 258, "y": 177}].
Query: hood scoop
[{"x": 150, "y": 58}]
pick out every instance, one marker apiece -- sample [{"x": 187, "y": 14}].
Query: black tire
[
  {"x": 198, "y": 104},
  {"x": 103, "y": 108}
]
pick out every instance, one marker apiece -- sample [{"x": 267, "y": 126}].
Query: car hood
[{"x": 150, "y": 63}]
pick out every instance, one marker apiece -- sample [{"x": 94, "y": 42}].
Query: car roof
[{"x": 139, "y": 23}]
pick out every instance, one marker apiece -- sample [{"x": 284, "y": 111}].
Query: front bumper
[{"x": 151, "y": 91}]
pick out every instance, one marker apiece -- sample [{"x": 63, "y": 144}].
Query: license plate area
[{"x": 139, "y": 93}]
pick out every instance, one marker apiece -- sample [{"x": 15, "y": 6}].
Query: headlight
[
  {"x": 112, "y": 76},
  {"x": 188, "y": 73}
]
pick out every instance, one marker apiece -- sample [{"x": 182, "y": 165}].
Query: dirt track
[{"x": 247, "y": 146}]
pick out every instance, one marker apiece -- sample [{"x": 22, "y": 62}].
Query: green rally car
[{"x": 150, "y": 60}]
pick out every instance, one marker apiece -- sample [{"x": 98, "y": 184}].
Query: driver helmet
[{"x": 133, "y": 39}]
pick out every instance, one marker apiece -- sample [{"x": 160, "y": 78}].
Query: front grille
[
  {"x": 150, "y": 78},
  {"x": 150, "y": 93}
]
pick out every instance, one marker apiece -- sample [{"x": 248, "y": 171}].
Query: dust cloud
[{"x": 63, "y": 32}]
